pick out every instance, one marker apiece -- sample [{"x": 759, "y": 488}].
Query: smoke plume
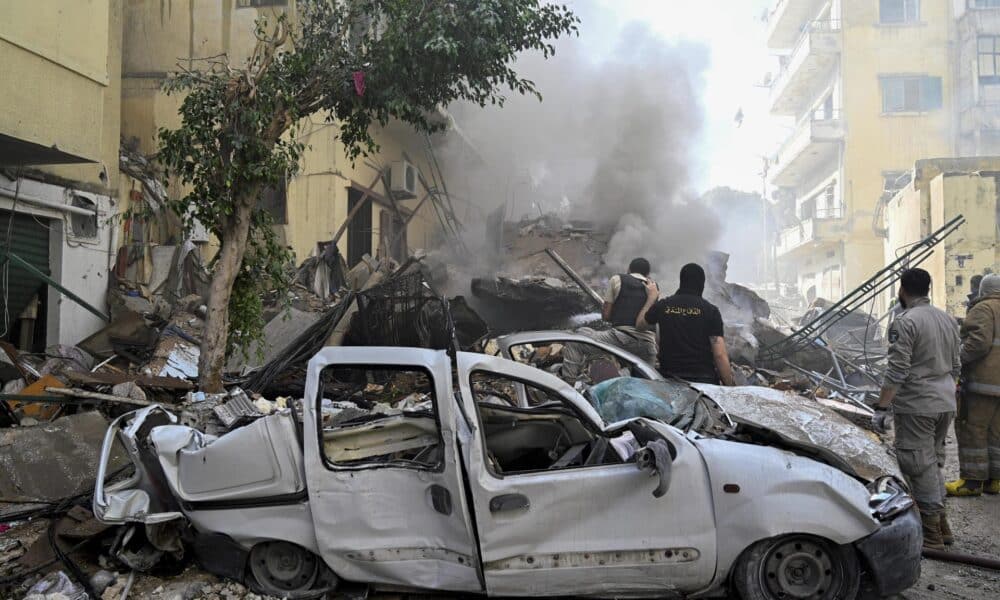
[{"x": 613, "y": 142}]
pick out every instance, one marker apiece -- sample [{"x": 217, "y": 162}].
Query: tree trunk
[{"x": 233, "y": 246}]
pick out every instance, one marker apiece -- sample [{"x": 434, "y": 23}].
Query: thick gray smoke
[{"x": 613, "y": 141}]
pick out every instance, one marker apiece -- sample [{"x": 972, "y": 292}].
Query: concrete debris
[{"x": 53, "y": 461}]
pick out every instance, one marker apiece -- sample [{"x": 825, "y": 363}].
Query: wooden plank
[{"x": 146, "y": 381}]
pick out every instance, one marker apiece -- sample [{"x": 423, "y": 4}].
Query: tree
[{"x": 361, "y": 63}]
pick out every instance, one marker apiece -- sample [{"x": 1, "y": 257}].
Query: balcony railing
[
  {"x": 808, "y": 66},
  {"x": 817, "y": 228}
]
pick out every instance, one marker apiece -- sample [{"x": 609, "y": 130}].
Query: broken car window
[
  {"x": 379, "y": 416},
  {"x": 546, "y": 435}
]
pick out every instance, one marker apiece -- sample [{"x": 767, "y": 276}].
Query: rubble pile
[{"x": 56, "y": 407}]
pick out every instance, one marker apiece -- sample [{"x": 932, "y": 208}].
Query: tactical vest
[{"x": 631, "y": 298}]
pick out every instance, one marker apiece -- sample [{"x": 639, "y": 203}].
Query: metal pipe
[
  {"x": 984, "y": 562},
  {"x": 576, "y": 278},
  {"x": 21, "y": 197},
  {"x": 52, "y": 282}
]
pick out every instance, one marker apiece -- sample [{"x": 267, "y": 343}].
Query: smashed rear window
[{"x": 379, "y": 416}]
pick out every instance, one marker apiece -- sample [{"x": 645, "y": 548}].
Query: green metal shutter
[{"x": 30, "y": 241}]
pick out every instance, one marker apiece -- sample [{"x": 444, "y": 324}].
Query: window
[
  {"x": 989, "y": 58},
  {"x": 984, "y": 3},
  {"x": 84, "y": 226},
  {"x": 380, "y": 416},
  {"x": 548, "y": 436},
  {"x": 911, "y": 93},
  {"x": 898, "y": 11}
]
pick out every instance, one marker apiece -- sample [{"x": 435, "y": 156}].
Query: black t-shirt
[{"x": 686, "y": 322}]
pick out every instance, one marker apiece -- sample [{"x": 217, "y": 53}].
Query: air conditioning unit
[{"x": 403, "y": 180}]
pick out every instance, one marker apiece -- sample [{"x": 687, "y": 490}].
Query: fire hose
[{"x": 984, "y": 562}]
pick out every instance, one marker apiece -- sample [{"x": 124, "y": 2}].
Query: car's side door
[
  {"x": 385, "y": 483},
  {"x": 576, "y": 526}
]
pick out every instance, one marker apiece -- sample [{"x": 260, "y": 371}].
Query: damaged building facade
[
  {"x": 83, "y": 105},
  {"x": 867, "y": 90},
  {"x": 941, "y": 188},
  {"x": 59, "y": 133}
]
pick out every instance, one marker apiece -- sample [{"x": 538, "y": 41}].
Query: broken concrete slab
[
  {"x": 278, "y": 333},
  {"x": 52, "y": 461}
]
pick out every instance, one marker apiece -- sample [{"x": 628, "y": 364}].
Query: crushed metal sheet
[{"x": 801, "y": 420}]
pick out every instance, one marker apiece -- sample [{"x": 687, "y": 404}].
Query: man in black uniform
[{"x": 692, "y": 343}]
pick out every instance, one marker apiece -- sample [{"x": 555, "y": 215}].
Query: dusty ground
[{"x": 976, "y": 523}]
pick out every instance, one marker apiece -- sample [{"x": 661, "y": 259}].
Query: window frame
[
  {"x": 994, "y": 56},
  {"x": 904, "y": 5},
  {"x": 922, "y": 83},
  {"x": 584, "y": 420},
  {"x": 330, "y": 465}
]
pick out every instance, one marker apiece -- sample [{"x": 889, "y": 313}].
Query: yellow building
[
  {"x": 309, "y": 211},
  {"x": 941, "y": 189},
  {"x": 864, "y": 87},
  {"x": 60, "y": 82}
]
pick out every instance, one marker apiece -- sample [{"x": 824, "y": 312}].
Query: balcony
[
  {"x": 815, "y": 142},
  {"x": 808, "y": 66},
  {"x": 811, "y": 233},
  {"x": 785, "y": 21}
]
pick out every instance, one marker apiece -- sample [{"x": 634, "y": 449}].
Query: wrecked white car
[{"x": 472, "y": 473}]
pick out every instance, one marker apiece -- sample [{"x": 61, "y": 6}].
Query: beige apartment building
[
  {"x": 81, "y": 83},
  {"x": 60, "y": 81},
  {"x": 865, "y": 88}
]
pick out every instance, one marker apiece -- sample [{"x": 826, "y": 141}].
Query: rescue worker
[
  {"x": 692, "y": 342},
  {"x": 978, "y": 425},
  {"x": 623, "y": 300},
  {"x": 918, "y": 396},
  {"x": 974, "y": 284}
]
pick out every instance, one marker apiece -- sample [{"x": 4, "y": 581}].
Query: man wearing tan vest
[{"x": 978, "y": 424}]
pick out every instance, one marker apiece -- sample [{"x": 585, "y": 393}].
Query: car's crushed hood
[{"x": 784, "y": 419}]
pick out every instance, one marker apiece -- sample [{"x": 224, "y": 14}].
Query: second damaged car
[{"x": 470, "y": 473}]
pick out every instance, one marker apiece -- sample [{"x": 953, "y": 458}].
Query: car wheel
[
  {"x": 284, "y": 569},
  {"x": 797, "y": 567}
]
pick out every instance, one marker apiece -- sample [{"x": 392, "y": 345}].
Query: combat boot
[
  {"x": 932, "y": 531},
  {"x": 992, "y": 486},
  {"x": 946, "y": 535},
  {"x": 964, "y": 487}
]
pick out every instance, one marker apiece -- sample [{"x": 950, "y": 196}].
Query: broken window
[
  {"x": 548, "y": 436},
  {"x": 910, "y": 93},
  {"x": 989, "y": 58},
  {"x": 899, "y": 11},
  {"x": 84, "y": 226},
  {"x": 379, "y": 417}
]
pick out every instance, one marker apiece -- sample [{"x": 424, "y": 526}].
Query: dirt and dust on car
[{"x": 394, "y": 438}]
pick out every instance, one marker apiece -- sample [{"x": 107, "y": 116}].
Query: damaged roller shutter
[{"x": 29, "y": 241}]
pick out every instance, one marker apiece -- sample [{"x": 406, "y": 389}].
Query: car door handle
[{"x": 506, "y": 502}]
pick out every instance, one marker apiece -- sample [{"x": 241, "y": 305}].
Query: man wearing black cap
[{"x": 692, "y": 345}]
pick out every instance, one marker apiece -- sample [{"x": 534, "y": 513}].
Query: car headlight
[{"x": 889, "y": 498}]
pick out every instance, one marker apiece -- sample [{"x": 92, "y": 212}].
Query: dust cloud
[{"x": 612, "y": 142}]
